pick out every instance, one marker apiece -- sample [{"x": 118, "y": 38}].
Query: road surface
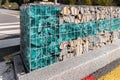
[
  {"x": 9, "y": 28},
  {"x": 8, "y": 16},
  {"x": 9, "y": 24}
]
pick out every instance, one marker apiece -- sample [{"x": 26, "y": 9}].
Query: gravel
[{"x": 6, "y": 71}]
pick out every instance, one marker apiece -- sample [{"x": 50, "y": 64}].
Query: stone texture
[
  {"x": 69, "y": 19},
  {"x": 86, "y": 14},
  {"x": 65, "y": 11},
  {"x": 74, "y": 11},
  {"x": 79, "y": 67},
  {"x": 65, "y": 23}
]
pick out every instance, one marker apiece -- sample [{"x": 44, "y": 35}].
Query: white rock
[
  {"x": 70, "y": 19},
  {"x": 63, "y": 45},
  {"x": 102, "y": 16},
  {"x": 77, "y": 21},
  {"x": 79, "y": 48},
  {"x": 74, "y": 11},
  {"x": 83, "y": 18},
  {"x": 79, "y": 16},
  {"x": 65, "y": 11},
  {"x": 92, "y": 9},
  {"x": 88, "y": 18},
  {"x": 62, "y": 53},
  {"x": 85, "y": 45},
  {"x": 97, "y": 16},
  {"x": 82, "y": 10}
]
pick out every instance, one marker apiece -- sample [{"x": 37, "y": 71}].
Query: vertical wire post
[{"x": 55, "y": 1}]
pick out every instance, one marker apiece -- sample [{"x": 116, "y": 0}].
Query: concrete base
[
  {"x": 77, "y": 67},
  {"x": 18, "y": 66}
]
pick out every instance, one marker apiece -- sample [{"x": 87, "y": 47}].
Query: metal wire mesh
[{"x": 43, "y": 32}]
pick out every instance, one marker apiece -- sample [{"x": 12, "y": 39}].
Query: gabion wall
[{"x": 53, "y": 33}]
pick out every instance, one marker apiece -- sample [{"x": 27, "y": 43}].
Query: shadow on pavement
[{"x": 7, "y": 51}]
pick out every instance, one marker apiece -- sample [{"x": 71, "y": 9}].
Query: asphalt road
[
  {"x": 7, "y": 16},
  {"x": 108, "y": 68}
]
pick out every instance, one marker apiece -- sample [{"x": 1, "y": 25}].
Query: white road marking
[
  {"x": 5, "y": 24},
  {"x": 10, "y": 32},
  {"x": 8, "y": 27}
]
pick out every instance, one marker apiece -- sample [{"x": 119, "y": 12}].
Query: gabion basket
[{"x": 42, "y": 33}]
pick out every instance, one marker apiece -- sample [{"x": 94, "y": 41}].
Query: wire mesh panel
[{"x": 53, "y": 33}]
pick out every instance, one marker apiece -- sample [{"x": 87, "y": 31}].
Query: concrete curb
[
  {"x": 9, "y": 42},
  {"x": 78, "y": 67},
  {"x": 18, "y": 66}
]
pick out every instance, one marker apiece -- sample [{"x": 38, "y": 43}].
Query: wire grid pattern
[{"x": 41, "y": 33}]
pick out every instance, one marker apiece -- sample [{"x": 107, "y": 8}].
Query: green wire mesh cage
[{"x": 42, "y": 33}]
